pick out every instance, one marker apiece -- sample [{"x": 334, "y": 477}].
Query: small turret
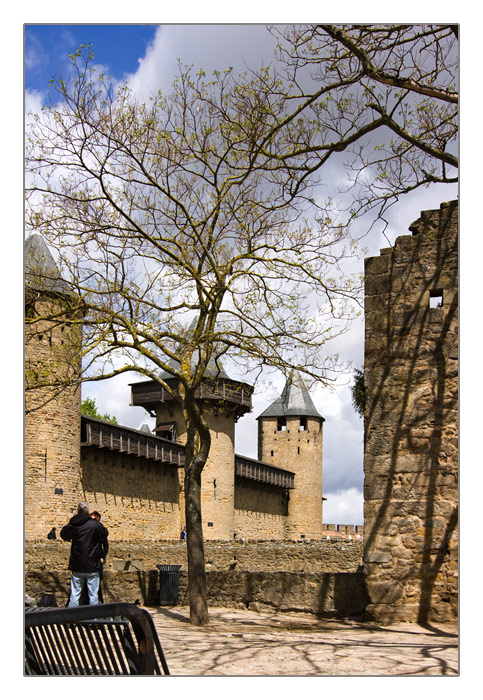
[{"x": 290, "y": 437}]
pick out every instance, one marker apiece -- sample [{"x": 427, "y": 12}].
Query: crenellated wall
[{"x": 411, "y": 423}]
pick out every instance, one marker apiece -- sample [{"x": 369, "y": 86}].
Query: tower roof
[
  {"x": 41, "y": 272},
  {"x": 214, "y": 368},
  {"x": 294, "y": 401}
]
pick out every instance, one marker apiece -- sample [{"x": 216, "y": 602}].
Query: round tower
[
  {"x": 290, "y": 437},
  {"x": 52, "y": 422},
  {"x": 224, "y": 400}
]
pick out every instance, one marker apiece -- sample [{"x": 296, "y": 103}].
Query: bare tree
[
  {"x": 181, "y": 246},
  {"x": 386, "y": 95}
]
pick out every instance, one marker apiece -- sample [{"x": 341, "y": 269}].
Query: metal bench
[{"x": 113, "y": 639}]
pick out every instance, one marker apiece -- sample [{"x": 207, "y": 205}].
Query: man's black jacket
[{"x": 89, "y": 539}]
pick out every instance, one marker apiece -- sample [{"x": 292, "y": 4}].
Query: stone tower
[
  {"x": 224, "y": 401},
  {"x": 411, "y": 423},
  {"x": 290, "y": 437},
  {"x": 52, "y": 423}
]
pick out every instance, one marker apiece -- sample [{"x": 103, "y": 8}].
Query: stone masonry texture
[
  {"x": 411, "y": 423},
  {"x": 144, "y": 499},
  {"x": 320, "y": 577},
  {"x": 218, "y": 477},
  {"x": 299, "y": 451},
  {"x": 251, "y": 555},
  {"x": 52, "y": 431}
]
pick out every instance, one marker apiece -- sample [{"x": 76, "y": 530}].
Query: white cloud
[
  {"x": 343, "y": 507},
  {"x": 204, "y": 46},
  {"x": 33, "y": 103},
  {"x": 34, "y": 53}
]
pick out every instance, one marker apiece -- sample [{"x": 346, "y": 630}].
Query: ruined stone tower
[
  {"x": 52, "y": 425},
  {"x": 290, "y": 437},
  {"x": 411, "y": 423},
  {"x": 224, "y": 401}
]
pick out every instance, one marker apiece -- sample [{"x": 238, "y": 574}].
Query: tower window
[
  {"x": 282, "y": 423},
  {"x": 298, "y": 450},
  {"x": 435, "y": 298},
  {"x": 271, "y": 453},
  {"x": 303, "y": 423}
]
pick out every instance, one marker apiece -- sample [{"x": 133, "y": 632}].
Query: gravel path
[{"x": 250, "y": 643}]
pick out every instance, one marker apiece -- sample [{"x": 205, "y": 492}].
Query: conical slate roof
[
  {"x": 294, "y": 401},
  {"x": 214, "y": 368},
  {"x": 41, "y": 272}
]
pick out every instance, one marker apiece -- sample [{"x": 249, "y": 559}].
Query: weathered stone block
[
  {"x": 377, "y": 557},
  {"x": 384, "y": 592}
]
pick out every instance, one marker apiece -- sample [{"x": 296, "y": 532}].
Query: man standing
[
  {"x": 87, "y": 536},
  {"x": 104, "y": 550}
]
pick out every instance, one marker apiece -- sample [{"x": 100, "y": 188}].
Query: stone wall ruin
[{"x": 411, "y": 423}]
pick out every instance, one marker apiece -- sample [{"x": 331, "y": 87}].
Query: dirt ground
[{"x": 266, "y": 643}]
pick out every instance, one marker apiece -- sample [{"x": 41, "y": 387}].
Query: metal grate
[{"x": 118, "y": 639}]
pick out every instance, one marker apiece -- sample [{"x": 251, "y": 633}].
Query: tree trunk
[{"x": 196, "y": 552}]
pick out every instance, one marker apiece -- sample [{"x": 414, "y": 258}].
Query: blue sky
[
  {"x": 117, "y": 46},
  {"x": 146, "y": 56}
]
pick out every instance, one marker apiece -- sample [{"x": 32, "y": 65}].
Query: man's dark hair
[{"x": 95, "y": 514}]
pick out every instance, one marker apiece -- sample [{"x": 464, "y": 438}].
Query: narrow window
[
  {"x": 298, "y": 450},
  {"x": 271, "y": 453},
  {"x": 435, "y": 298},
  {"x": 282, "y": 423},
  {"x": 303, "y": 423}
]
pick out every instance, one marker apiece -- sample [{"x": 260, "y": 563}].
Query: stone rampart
[
  {"x": 326, "y": 594},
  {"x": 310, "y": 556},
  {"x": 411, "y": 423}
]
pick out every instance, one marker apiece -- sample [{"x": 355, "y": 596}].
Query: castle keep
[{"x": 136, "y": 479}]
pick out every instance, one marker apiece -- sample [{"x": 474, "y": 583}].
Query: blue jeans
[{"x": 77, "y": 583}]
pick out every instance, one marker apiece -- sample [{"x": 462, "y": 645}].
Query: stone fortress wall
[
  {"x": 410, "y": 462},
  {"x": 411, "y": 423},
  {"x": 141, "y": 497},
  {"x": 135, "y": 496},
  {"x": 252, "y": 555}
]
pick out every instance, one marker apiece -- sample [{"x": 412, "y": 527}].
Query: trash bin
[{"x": 168, "y": 583}]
